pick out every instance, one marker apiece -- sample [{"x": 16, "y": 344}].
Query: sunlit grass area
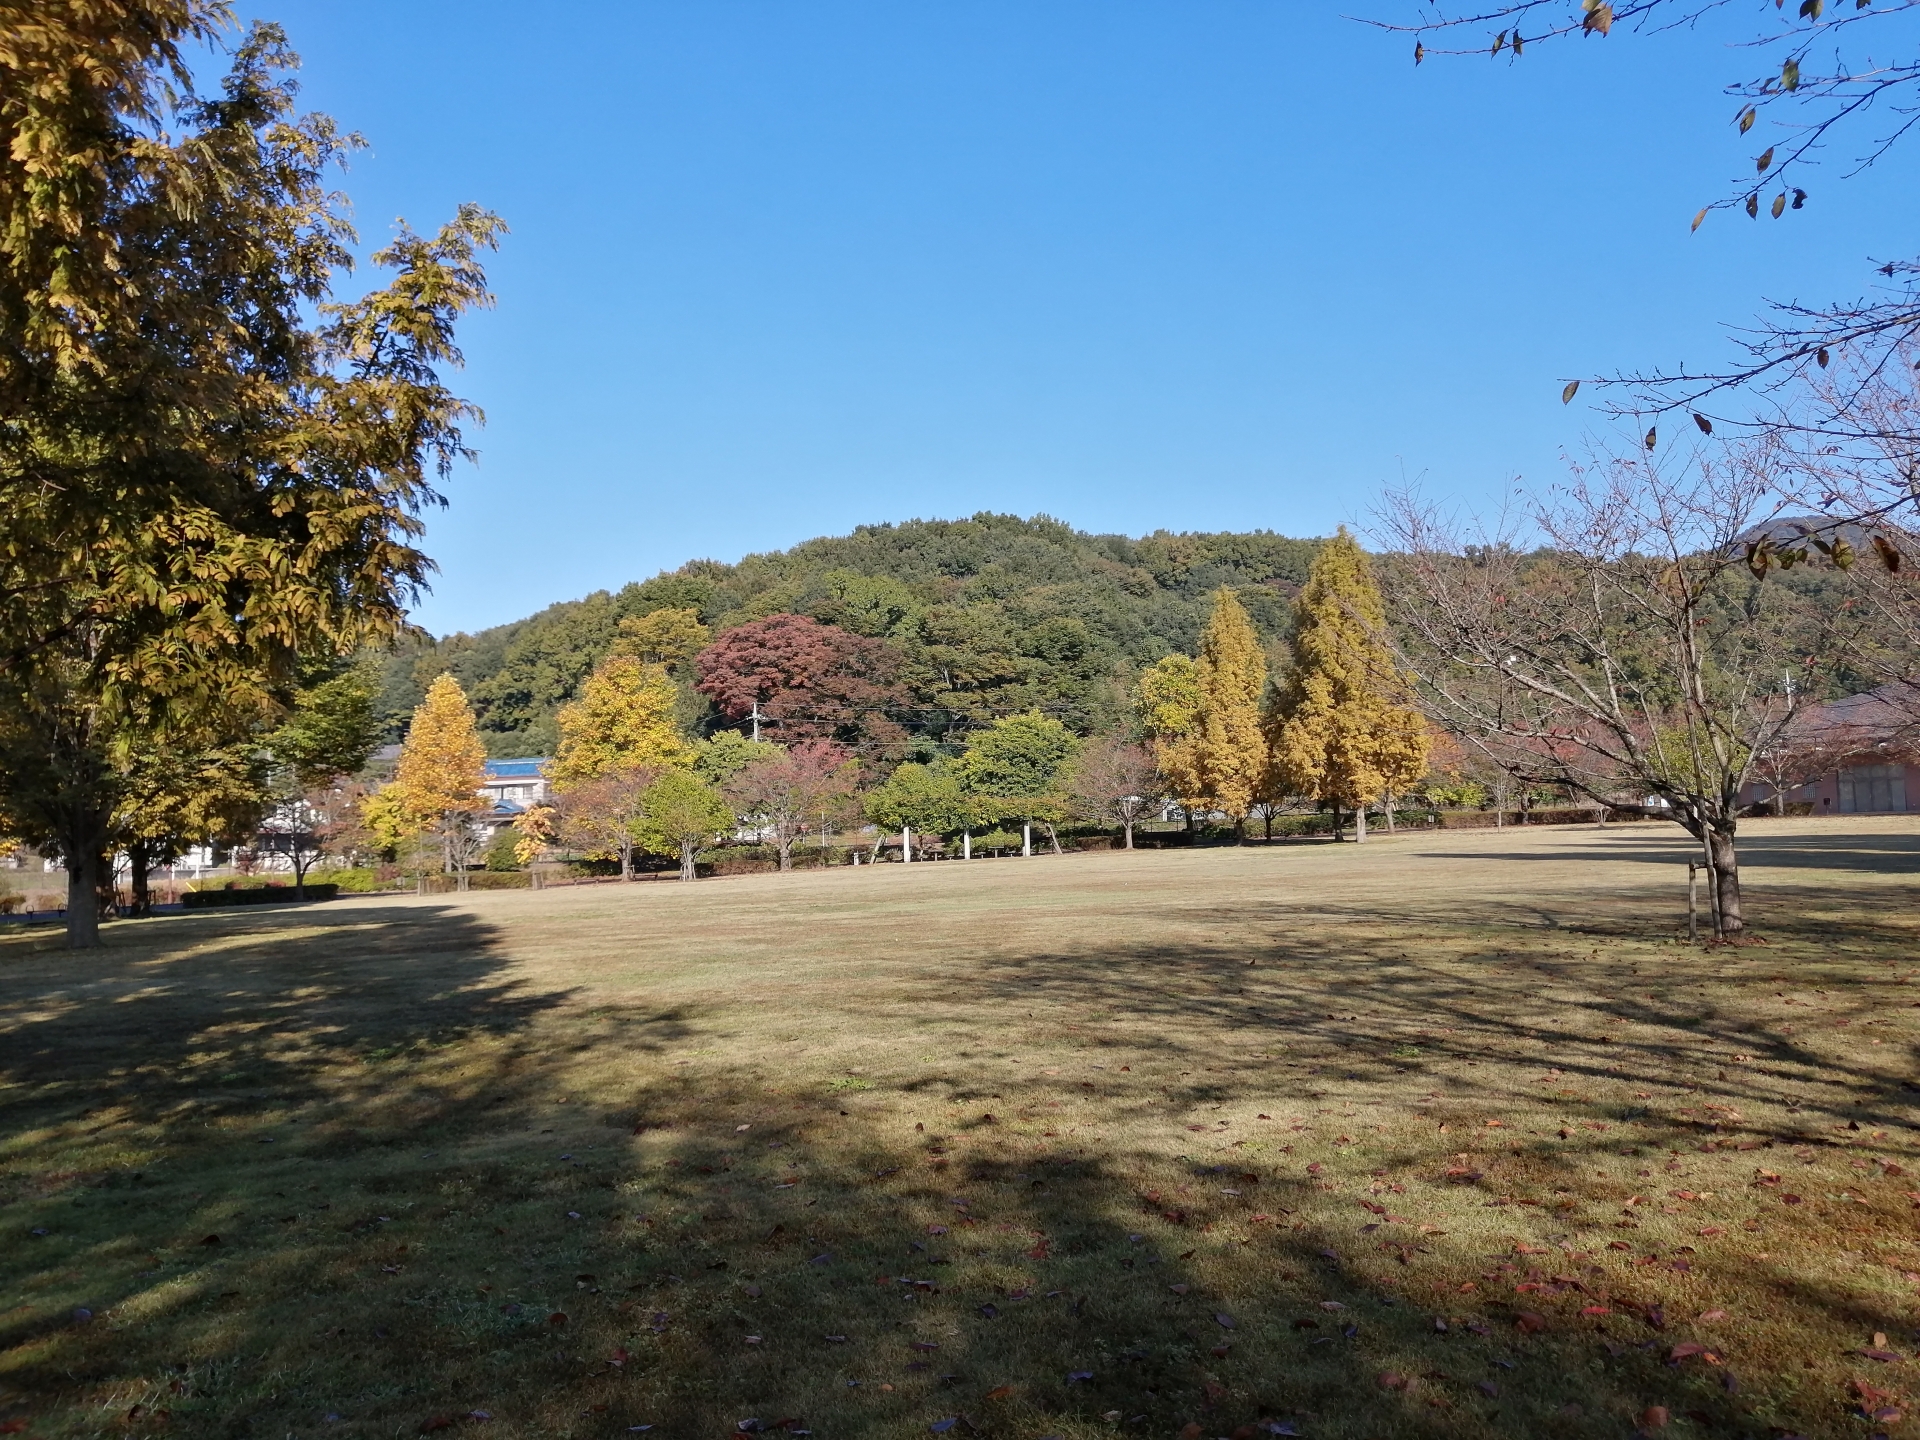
[{"x": 1449, "y": 1135}]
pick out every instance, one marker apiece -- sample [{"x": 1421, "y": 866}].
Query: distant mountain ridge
[{"x": 992, "y": 614}]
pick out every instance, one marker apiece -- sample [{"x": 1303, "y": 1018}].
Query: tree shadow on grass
[
  {"x": 1884, "y": 854},
  {"x": 455, "y": 1215}
]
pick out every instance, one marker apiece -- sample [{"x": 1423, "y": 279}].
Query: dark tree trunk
[
  {"x": 1239, "y": 829},
  {"x": 84, "y": 867},
  {"x": 626, "y": 861},
  {"x": 139, "y": 878},
  {"x": 1269, "y": 824},
  {"x": 1339, "y": 828},
  {"x": 784, "y": 839}
]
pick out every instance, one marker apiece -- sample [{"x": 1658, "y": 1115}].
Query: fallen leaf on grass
[
  {"x": 1531, "y": 1322},
  {"x": 1713, "y": 1315},
  {"x": 1223, "y": 1320},
  {"x": 1596, "y": 1310},
  {"x": 1075, "y": 1376},
  {"x": 999, "y": 1392},
  {"x": 940, "y": 1427},
  {"x": 1394, "y": 1380},
  {"x": 1654, "y": 1417}
]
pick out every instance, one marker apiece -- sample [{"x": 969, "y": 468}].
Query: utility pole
[{"x": 756, "y": 721}]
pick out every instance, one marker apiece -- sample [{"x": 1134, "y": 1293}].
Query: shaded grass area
[{"x": 1449, "y": 1136}]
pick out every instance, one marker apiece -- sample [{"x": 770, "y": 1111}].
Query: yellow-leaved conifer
[
  {"x": 623, "y": 720},
  {"x": 1338, "y": 732},
  {"x": 442, "y": 766},
  {"x": 1230, "y": 751}
]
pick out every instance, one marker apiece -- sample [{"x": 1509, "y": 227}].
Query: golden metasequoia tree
[
  {"x": 442, "y": 766},
  {"x": 1338, "y": 731},
  {"x": 1229, "y": 749},
  {"x": 623, "y": 720}
]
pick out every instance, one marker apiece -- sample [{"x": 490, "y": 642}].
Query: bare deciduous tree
[
  {"x": 601, "y": 816},
  {"x": 1115, "y": 782},
  {"x": 1633, "y": 659},
  {"x": 785, "y": 792}
]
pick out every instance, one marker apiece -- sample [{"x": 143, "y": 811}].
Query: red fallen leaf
[
  {"x": 1885, "y": 1357},
  {"x": 12, "y": 1427},
  {"x": 1596, "y": 1310},
  {"x": 436, "y": 1422},
  {"x": 1686, "y": 1350},
  {"x": 1522, "y": 1248},
  {"x": 1891, "y": 1169},
  {"x": 1038, "y": 1252},
  {"x": 557, "y": 1318},
  {"x": 1713, "y": 1230},
  {"x": 1790, "y": 1200},
  {"x": 1394, "y": 1380},
  {"x": 1654, "y": 1417},
  {"x": 999, "y": 1392},
  {"x": 1315, "y": 1168},
  {"x": 1713, "y": 1315},
  {"x": 1531, "y": 1322},
  {"x": 1618, "y": 1245},
  {"x": 1368, "y": 1205},
  {"x": 1191, "y": 1431},
  {"x": 1258, "y": 1218},
  {"x": 619, "y": 1357}
]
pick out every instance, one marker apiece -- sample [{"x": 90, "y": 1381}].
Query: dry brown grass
[{"x": 1448, "y": 1136}]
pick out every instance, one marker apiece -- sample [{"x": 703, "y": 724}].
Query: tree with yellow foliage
[
  {"x": 1168, "y": 702},
  {"x": 1337, "y": 731},
  {"x": 663, "y": 637},
  {"x": 623, "y": 720},
  {"x": 1229, "y": 749},
  {"x": 436, "y": 786}
]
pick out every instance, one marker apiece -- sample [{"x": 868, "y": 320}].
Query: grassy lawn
[{"x": 1449, "y": 1135}]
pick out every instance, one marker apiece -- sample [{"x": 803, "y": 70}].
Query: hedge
[{"x": 253, "y": 895}]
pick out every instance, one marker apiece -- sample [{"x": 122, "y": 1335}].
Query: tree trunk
[
  {"x": 1360, "y": 823},
  {"x": 687, "y": 848},
  {"x": 1269, "y": 823},
  {"x": 784, "y": 840},
  {"x": 140, "y": 878},
  {"x": 1239, "y": 829},
  {"x": 300, "y": 864},
  {"x": 1129, "y": 825},
  {"x": 1390, "y": 827},
  {"x": 1053, "y": 837},
  {"x": 626, "y": 861},
  {"x": 1187, "y": 811},
  {"x": 1339, "y": 830},
  {"x": 1726, "y": 881},
  {"x": 83, "y": 898}
]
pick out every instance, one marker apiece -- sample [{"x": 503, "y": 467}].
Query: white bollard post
[
  {"x": 966, "y": 844},
  {"x": 906, "y": 844},
  {"x": 1026, "y": 841}
]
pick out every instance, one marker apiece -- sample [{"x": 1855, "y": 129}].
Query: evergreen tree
[
  {"x": 623, "y": 720},
  {"x": 1336, "y": 731},
  {"x": 440, "y": 772},
  {"x": 1229, "y": 750}
]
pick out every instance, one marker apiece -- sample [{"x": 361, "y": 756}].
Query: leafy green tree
[
  {"x": 1338, "y": 728},
  {"x": 663, "y": 637},
  {"x": 211, "y": 471},
  {"x": 1017, "y": 768},
  {"x": 680, "y": 813},
  {"x": 725, "y": 753},
  {"x": 928, "y": 799}
]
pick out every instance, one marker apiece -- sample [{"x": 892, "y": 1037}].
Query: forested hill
[{"x": 991, "y": 616}]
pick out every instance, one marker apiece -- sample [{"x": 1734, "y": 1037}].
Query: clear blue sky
[{"x": 780, "y": 269}]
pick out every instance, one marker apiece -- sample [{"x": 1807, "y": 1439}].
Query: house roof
[
  {"x": 1886, "y": 718},
  {"x": 506, "y": 769}
]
